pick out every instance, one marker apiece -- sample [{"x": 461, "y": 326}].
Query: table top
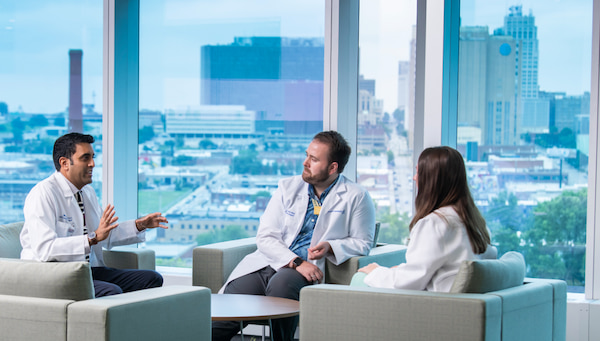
[{"x": 226, "y": 307}]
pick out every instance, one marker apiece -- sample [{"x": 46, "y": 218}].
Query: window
[
  {"x": 231, "y": 93},
  {"x": 386, "y": 110},
  {"x": 528, "y": 169},
  {"x": 51, "y": 84}
]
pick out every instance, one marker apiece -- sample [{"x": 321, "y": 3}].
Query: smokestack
[{"x": 75, "y": 101}]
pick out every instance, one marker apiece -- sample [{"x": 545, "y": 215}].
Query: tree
[
  {"x": 17, "y": 125},
  {"x": 230, "y": 232},
  {"x": 246, "y": 162},
  {"x": 555, "y": 246},
  {"x": 146, "y": 134},
  {"x": 3, "y": 108},
  {"x": 265, "y": 194},
  {"x": 552, "y": 239},
  {"x": 504, "y": 209},
  {"x": 394, "y": 228},
  {"x": 207, "y": 144},
  {"x": 59, "y": 121},
  {"x": 38, "y": 121},
  {"x": 390, "y": 157}
]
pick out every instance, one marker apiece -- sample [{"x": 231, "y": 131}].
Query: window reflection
[
  {"x": 51, "y": 84},
  {"x": 386, "y": 110},
  {"x": 231, "y": 93},
  {"x": 523, "y": 127}
]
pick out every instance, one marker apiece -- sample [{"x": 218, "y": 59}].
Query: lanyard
[{"x": 316, "y": 206}]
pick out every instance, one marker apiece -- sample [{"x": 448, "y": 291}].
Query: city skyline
[{"x": 42, "y": 69}]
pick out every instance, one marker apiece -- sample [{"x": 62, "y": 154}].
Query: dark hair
[
  {"x": 65, "y": 146},
  {"x": 339, "y": 149},
  {"x": 442, "y": 181}
]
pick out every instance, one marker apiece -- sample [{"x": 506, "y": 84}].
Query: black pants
[
  {"x": 109, "y": 281},
  {"x": 284, "y": 283}
]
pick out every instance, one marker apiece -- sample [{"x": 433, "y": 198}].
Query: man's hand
[
  {"x": 367, "y": 269},
  {"x": 151, "y": 221},
  {"x": 311, "y": 272},
  {"x": 319, "y": 250},
  {"x": 108, "y": 221}
]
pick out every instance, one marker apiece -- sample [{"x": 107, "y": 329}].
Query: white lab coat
[
  {"x": 436, "y": 249},
  {"x": 347, "y": 222},
  {"x": 53, "y": 228}
]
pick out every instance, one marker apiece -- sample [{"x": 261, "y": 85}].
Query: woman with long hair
[{"x": 447, "y": 227}]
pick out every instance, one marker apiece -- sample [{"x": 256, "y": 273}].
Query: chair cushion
[
  {"x": 481, "y": 276},
  {"x": 10, "y": 243},
  {"x": 61, "y": 280}
]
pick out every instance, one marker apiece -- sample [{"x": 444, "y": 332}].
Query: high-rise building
[
  {"x": 281, "y": 79},
  {"x": 486, "y": 88},
  {"x": 502, "y": 106},
  {"x": 523, "y": 30},
  {"x": 366, "y": 84},
  {"x": 409, "y": 116},
  {"x": 75, "y": 89},
  {"x": 403, "y": 85},
  {"x": 535, "y": 111}
]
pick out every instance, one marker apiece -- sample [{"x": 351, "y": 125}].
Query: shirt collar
[
  {"x": 71, "y": 186},
  {"x": 311, "y": 190}
]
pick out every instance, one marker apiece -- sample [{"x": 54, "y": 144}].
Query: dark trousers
[
  {"x": 109, "y": 281},
  {"x": 284, "y": 283}
]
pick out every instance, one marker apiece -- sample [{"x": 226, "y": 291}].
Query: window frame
[{"x": 437, "y": 40}]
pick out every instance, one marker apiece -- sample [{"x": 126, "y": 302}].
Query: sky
[{"x": 35, "y": 37}]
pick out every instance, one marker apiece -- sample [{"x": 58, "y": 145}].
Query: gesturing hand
[
  {"x": 108, "y": 221},
  {"x": 151, "y": 221}
]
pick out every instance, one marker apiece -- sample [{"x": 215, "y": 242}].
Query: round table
[{"x": 226, "y": 307}]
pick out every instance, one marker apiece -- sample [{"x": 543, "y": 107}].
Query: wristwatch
[
  {"x": 92, "y": 238},
  {"x": 298, "y": 261}
]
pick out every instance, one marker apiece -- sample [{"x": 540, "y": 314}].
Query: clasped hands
[
  {"x": 311, "y": 272},
  {"x": 108, "y": 222}
]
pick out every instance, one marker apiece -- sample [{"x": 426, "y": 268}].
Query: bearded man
[{"x": 310, "y": 218}]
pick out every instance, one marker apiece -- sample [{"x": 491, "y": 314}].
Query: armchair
[
  {"x": 55, "y": 301},
  {"x": 118, "y": 258},
  {"x": 213, "y": 263},
  {"x": 488, "y": 302}
]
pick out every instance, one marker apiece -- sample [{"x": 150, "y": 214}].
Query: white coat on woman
[
  {"x": 346, "y": 221},
  {"x": 53, "y": 228},
  {"x": 438, "y": 244}
]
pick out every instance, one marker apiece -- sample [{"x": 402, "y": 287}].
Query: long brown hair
[{"x": 442, "y": 181}]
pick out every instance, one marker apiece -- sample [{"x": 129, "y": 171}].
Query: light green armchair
[
  {"x": 55, "y": 301},
  {"x": 213, "y": 263},
  {"x": 489, "y": 302}
]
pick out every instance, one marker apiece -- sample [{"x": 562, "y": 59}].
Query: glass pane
[
  {"x": 50, "y": 84},
  {"x": 385, "y": 111},
  {"x": 231, "y": 93},
  {"x": 523, "y": 127}
]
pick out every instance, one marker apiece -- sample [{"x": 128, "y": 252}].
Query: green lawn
[{"x": 159, "y": 200}]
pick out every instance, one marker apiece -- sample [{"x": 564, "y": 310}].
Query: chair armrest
[
  {"x": 33, "y": 318},
  {"x": 559, "y": 306},
  {"x": 385, "y": 255},
  {"x": 527, "y": 311},
  {"x": 212, "y": 263},
  {"x": 337, "y": 312},
  {"x": 165, "y": 313},
  {"x": 129, "y": 258}
]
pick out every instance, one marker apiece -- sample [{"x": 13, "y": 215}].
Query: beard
[{"x": 314, "y": 178}]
